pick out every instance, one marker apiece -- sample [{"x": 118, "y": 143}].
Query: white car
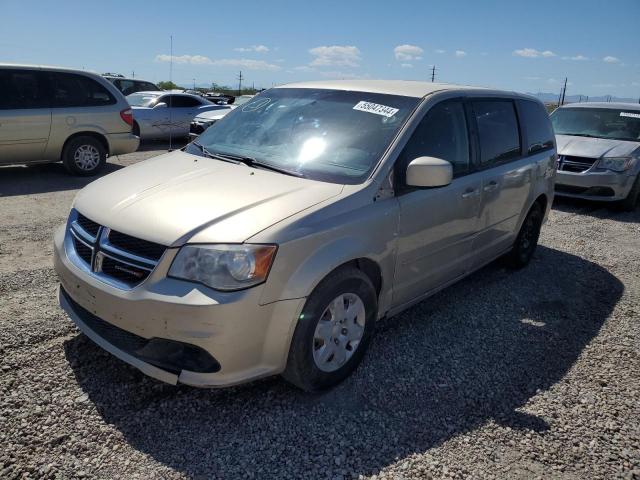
[
  {"x": 206, "y": 119},
  {"x": 158, "y": 114}
]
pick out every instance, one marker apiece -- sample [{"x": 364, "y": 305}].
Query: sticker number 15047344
[{"x": 376, "y": 108}]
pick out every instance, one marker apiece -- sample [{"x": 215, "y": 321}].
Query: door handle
[
  {"x": 490, "y": 186},
  {"x": 471, "y": 192}
]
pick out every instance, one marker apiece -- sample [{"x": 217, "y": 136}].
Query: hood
[
  {"x": 177, "y": 197},
  {"x": 594, "y": 147},
  {"x": 213, "y": 114}
]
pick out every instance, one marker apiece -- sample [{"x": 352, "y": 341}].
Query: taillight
[{"x": 127, "y": 116}]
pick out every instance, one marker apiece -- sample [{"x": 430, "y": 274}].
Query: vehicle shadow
[
  {"x": 595, "y": 209},
  {"x": 43, "y": 178},
  {"x": 152, "y": 145},
  {"x": 476, "y": 352}
]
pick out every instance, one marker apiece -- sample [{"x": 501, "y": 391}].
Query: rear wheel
[
  {"x": 527, "y": 239},
  {"x": 84, "y": 156},
  {"x": 630, "y": 203},
  {"x": 333, "y": 331}
]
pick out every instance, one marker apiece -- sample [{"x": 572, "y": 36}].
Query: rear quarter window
[
  {"x": 22, "y": 89},
  {"x": 537, "y": 124}
]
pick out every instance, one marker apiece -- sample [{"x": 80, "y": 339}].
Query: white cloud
[
  {"x": 533, "y": 53},
  {"x": 408, "y": 52},
  {"x": 406, "y": 65},
  {"x": 335, "y": 55},
  {"x": 610, "y": 59},
  {"x": 225, "y": 62},
  {"x": 461, "y": 53},
  {"x": 440, "y": 51},
  {"x": 576, "y": 58},
  {"x": 253, "y": 48}
]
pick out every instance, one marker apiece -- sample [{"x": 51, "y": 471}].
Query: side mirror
[
  {"x": 429, "y": 172},
  {"x": 160, "y": 105}
]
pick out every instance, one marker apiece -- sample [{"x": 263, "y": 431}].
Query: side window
[
  {"x": 22, "y": 89},
  {"x": 145, "y": 87},
  {"x": 498, "y": 130},
  {"x": 442, "y": 133},
  {"x": 180, "y": 101},
  {"x": 539, "y": 131},
  {"x": 71, "y": 90},
  {"x": 126, "y": 87}
]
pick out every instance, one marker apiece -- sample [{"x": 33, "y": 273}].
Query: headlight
[
  {"x": 224, "y": 267},
  {"x": 617, "y": 164}
]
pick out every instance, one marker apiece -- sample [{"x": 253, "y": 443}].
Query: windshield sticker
[
  {"x": 256, "y": 104},
  {"x": 376, "y": 108},
  {"x": 629, "y": 114}
]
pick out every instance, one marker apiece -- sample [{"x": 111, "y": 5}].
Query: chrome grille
[
  {"x": 568, "y": 163},
  {"x": 116, "y": 258}
]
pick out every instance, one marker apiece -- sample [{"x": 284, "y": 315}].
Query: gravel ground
[{"x": 525, "y": 374}]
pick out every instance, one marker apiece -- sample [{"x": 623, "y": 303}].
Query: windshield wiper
[
  {"x": 217, "y": 156},
  {"x": 580, "y": 135},
  {"x": 253, "y": 162}
]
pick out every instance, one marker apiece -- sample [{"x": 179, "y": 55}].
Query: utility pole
[
  {"x": 433, "y": 73},
  {"x": 194, "y": 83},
  {"x": 240, "y": 78},
  {"x": 133, "y": 74},
  {"x": 564, "y": 91}
]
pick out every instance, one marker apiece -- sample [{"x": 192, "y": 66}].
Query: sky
[{"x": 524, "y": 46}]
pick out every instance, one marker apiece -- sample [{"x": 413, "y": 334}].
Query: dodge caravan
[{"x": 273, "y": 243}]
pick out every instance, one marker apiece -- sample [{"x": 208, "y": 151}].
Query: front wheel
[
  {"x": 333, "y": 331},
  {"x": 630, "y": 203},
  {"x": 527, "y": 239}
]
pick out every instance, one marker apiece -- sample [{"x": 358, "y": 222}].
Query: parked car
[
  {"x": 274, "y": 243},
  {"x": 599, "y": 152},
  {"x": 50, "y": 114},
  {"x": 203, "y": 121},
  {"x": 156, "y": 115},
  {"x": 130, "y": 85}
]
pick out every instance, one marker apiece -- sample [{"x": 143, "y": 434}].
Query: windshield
[
  {"x": 141, "y": 99},
  {"x": 328, "y": 135},
  {"x": 242, "y": 100},
  {"x": 610, "y": 123}
]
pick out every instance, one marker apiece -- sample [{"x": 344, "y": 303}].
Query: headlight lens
[
  {"x": 224, "y": 267},
  {"x": 617, "y": 164}
]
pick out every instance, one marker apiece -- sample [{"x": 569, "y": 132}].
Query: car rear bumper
[
  {"x": 603, "y": 186},
  {"x": 245, "y": 339},
  {"x": 121, "y": 143}
]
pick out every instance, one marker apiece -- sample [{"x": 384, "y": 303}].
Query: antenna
[
  {"x": 240, "y": 78},
  {"x": 170, "y": 96},
  {"x": 433, "y": 73},
  {"x": 133, "y": 74}
]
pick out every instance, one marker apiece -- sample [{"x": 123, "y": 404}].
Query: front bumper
[
  {"x": 247, "y": 339},
  {"x": 593, "y": 185},
  {"x": 121, "y": 143}
]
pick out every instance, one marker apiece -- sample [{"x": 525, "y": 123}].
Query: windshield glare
[
  {"x": 141, "y": 100},
  {"x": 609, "y": 123},
  {"x": 327, "y": 135}
]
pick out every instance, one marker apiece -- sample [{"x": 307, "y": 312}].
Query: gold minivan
[
  {"x": 274, "y": 242},
  {"x": 50, "y": 114}
]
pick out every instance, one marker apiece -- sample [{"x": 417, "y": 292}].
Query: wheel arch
[{"x": 98, "y": 136}]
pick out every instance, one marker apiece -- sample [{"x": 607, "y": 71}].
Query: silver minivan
[
  {"x": 599, "y": 152},
  {"x": 50, "y": 114},
  {"x": 274, "y": 243}
]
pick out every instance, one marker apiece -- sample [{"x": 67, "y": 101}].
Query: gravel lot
[{"x": 534, "y": 373}]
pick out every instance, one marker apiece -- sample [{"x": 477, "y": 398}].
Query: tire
[
  {"x": 630, "y": 203},
  {"x": 84, "y": 156},
  {"x": 527, "y": 239},
  {"x": 314, "y": 364}
]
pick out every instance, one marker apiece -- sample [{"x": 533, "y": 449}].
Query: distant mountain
[{"x": 553, "y": 98}]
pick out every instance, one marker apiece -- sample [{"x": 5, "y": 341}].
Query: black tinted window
[
  {"x": 539, "y": 131},
  {"x": 498, "y": 130},
  {"x": 145, "y": 87},
  {"x": 71, "y": 90},
  {"x": 22, "y": 89},
  {"x": 442, "y": 133},
  {"x": 181, "y": 101}
]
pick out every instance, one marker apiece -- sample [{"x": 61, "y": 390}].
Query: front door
[
  {"x": 437, "y": 225},
  {"x": 25, "y": 115}
]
